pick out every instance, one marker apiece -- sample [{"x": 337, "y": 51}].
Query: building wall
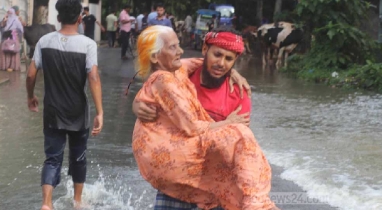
[
  {"x": 26, "y": 12},
  {"x": 95, "y": 9},
  {"x": 52, "y": 14},
  {"x": 24, "y": 5}
]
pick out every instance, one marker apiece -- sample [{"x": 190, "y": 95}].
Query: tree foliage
[
  {"x": 338, "y": 44},
  {"x": 334, "y": 24}
]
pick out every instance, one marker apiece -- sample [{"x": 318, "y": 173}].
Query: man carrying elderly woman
[{"x": 184, "y": 153}]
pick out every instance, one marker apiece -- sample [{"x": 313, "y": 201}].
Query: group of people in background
[
  {"x": 12, "y": 29},
  {"x": 120, "y": 28}
]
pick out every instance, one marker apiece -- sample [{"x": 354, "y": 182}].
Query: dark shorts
[
  {"x": 54, "y": 146},
  {"x": 165, "y": 202}
]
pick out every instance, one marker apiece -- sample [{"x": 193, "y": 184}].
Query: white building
[
  {"x": 94, "y": 9},
  {"x": 26, "y": 8},
  {"x": 26, "y": 12}
]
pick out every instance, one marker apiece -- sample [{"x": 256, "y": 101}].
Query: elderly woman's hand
[
  {"x": 236, "y": 78},
  {"x": 235, "y": 117},
  {"x": 5, "y": 18},
  {"x": 144, "y": 112}
]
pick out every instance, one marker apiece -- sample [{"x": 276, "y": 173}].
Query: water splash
[{"x": 104, "y": 194}]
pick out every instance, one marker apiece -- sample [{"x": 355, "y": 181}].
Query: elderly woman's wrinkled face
[{"x": 169, "y": 56}]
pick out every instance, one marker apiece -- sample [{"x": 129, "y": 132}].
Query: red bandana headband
[{"x": 225, "y": 40}]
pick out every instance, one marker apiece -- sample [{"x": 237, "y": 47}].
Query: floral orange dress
[{"x": 182, "y": 157}]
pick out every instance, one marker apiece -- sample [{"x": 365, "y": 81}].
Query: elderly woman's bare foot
[{"x": 46, "y": 207}]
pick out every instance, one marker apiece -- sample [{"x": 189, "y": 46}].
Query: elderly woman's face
[{"x": 169, "y": 56}]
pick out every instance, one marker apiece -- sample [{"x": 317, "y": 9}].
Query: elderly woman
[
  {"x": 184, "y": 153},
  {"x": 17, "y": 11},
  {"x": 11, "y": 28}
]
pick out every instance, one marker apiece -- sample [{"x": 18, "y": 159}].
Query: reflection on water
[{"x": 327, "y": 139}]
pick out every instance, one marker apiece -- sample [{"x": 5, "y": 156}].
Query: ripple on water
[{"x": 331, "y": 148}]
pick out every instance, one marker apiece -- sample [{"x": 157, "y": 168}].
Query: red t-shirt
[{"x": 219, "y": 102}]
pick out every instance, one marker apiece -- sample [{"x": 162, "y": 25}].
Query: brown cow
[{"x": 248, "y": 33}]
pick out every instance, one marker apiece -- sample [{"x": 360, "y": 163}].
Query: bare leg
[
  {"x": 78, "y": 194},
  {"x": 286, "y": 58},
  {"x": 247, "y": 48},
  {"x": 279, "y": 58},
  {"x": 47, "y": 191},
  {"x": 269, "y": 55},
  {"x": 263, "y": 56}
]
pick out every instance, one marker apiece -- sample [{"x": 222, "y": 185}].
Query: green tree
[
  {"x": 334, "y": 24},
  {"x": 338, "y": 43}
]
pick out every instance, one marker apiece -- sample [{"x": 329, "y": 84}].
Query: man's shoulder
[
  {"x": 47, "y": 37},
  {"x": 236, "y": 92},
  {"x": 75, "y": 42}
]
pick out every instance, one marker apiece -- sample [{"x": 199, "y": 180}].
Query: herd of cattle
[{"x": 279, "y": 39}]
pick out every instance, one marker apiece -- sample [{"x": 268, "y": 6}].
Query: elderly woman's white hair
[{"x": 150, "y": 42}]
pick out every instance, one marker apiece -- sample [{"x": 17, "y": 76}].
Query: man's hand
[
  {"x": 33, "y": 104},
  {"x": 236, "y": 78},
  {"x": 144, "y": 112},
  {"x": 97, "y": 125},
  {"x": 102, "y": 29}
]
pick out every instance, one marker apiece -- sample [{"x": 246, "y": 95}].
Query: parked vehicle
[
  {"x": 227, "y": 13},
  {"x": 203, "y": 17}
]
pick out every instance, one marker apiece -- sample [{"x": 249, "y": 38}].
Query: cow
[
  {"x": 34, "y": 32},
  {"x": 249, "y": 35},
  {"x": 287, "y": 41},
  {"x": 281, "y": 37},
  {"x": 179, "y": 25},
  {"x": 267, "y": 34}
]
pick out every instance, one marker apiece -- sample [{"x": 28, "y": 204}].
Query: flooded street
[{"x": 327, "y": 140}]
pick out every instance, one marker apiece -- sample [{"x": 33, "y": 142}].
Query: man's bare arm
[
  {"x": 126, "y": 21},
  {"x": 31, "y": 79},
  {"x": 95, "y": 88},
  {"x": 99, "y": 24},
  {"x": 30, "y": 84}
]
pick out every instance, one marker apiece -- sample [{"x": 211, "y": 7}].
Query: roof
[{"x": 207, "y": 12}]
